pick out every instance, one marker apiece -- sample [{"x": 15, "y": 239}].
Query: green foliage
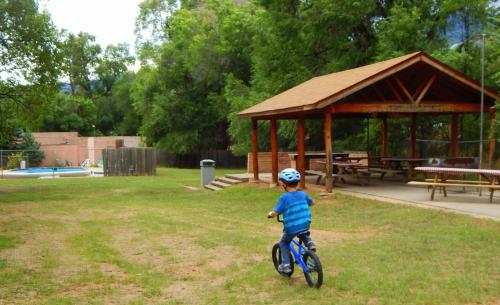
[
  {"x": 24, "y": 140},
  {"x": 181, "y": 99},
  {"x": 29, "y": 64},
  {"x": 81, "y": 56},
  {"x": 113, "y": 64},
  {"x": 14, "y": 160},
  {"x": 71, "y": 113},
  {"x": 115, "y": 111}
]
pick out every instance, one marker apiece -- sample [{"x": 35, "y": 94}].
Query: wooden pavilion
[{"x": 406, "y": 86}]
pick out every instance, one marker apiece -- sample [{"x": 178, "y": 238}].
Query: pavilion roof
[{"x": 322, "y": 91}]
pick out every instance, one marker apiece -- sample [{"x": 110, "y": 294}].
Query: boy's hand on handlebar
[{"x": 271, "y": 214}]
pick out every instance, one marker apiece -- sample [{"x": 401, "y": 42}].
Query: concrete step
[
  {"x": 212, "y": 187},
  {"x": 239, "y": 177},
  {"x": 220, "y": 184},
  {"x": 227, "y": 180}
]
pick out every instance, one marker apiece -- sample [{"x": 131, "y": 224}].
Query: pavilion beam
[
  {"x": 403, "y": 88},
  {"x": 255, "y": 150},
  {"x": 328, "y": 151},
  {"x": 383, "y": 136},
  {"x": 413, "y": 136},
  {"x": 425, "y": 89},
  {"x": 274, "y": 151},
  {"x": 491, "y": 138},
  {"x": 301, "y": 152},
  {"x": 391, "y": 107},
  {"x": 394, "y": 91},
  {"x": 454, "y": 135}
]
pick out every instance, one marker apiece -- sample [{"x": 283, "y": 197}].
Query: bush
[
  {"x": 23, "y": 140},
  {"x": 14, "y": 160}
]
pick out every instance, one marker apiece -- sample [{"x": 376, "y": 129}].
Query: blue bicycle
[{"x": 300, "y": 255}]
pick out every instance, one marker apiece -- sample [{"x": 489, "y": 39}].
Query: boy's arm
[
  {"x": 278, "y": 208},
  {"x": 310, "y": 200}
]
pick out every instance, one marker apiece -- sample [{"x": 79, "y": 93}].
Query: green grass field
[{"x": 156, "y": 240}]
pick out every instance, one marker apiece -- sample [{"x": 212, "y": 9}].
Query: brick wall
[{"x": 60, "y": 147}]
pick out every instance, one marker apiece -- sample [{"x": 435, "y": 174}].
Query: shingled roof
[{"x": 322, "y": 91}]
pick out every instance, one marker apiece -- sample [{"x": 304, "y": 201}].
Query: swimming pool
[
  {"x": 47, "y": 172},
  {"x": 50, "y": 170}
]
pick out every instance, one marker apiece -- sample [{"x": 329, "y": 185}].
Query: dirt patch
[
  {"x": 191, "y": 188},
  {"x": 112, "y": 270}
]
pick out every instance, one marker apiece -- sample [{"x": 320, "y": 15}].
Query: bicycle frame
[{"x": 298, "y": 251}]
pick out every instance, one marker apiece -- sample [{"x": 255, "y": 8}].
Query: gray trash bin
[{"x": 207, "y": 169}]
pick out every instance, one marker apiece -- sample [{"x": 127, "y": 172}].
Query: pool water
[{"x": 50, "y": 170}]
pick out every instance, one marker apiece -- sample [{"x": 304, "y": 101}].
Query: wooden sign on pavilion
[{"x": 410, "y": 85}]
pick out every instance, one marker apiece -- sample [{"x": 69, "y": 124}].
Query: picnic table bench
[
  {"x": 342, "y": 170},
  {"x": 441, "y": 174}
]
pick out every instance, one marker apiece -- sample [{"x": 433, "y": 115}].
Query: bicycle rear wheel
[
  {"x": 276, "y": 253},
  {"x": 314, "y": 276}
]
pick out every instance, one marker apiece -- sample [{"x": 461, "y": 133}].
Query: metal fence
[{"x": 129, "y": 161}]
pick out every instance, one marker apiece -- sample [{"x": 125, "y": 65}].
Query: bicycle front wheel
[
  {"x": 314, "y": 275},
  {"x": 276, "y": 253}
]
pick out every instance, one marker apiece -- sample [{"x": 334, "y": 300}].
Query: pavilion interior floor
[{"x": 395, "y": 190}]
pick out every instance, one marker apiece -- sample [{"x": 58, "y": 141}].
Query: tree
[
  {"x": 115, "y": 111},
  {"x": 29, "y": 64},
  {"x": 112, "y": 65},
  {"x": 181, "y": 96},
  {"x": 71, "y": 113},
  {"x": 81, "y": 56}
]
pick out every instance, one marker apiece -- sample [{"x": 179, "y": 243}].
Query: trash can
[
  {"x": 207, "y": 169},
  {"x": 22, "y": 164}
]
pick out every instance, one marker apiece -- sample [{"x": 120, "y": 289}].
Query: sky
[{"x": 110, "y": 21}]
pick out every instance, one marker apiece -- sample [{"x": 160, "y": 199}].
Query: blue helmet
[{"x": 289, "y": 176}]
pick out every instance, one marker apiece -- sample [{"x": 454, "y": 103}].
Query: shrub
[{"x": 14, "y": 160}]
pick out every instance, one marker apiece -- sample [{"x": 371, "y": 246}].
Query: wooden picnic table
[
  {"x": 341, "y": 170},
  {"x": 314, "y": 155},
  {"x": 396, "y": 163},
  {"x": 441, "y": 174}
]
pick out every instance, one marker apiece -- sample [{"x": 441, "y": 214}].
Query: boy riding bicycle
[{"x": 294, "y": 205}]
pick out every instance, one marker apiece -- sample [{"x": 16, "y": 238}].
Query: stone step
[
  {"x": 237, "y": 177},
  {"x": 227, "y": 180},
  {"x": 220, "y": 184},
  {"x": 212, "y": 187}
]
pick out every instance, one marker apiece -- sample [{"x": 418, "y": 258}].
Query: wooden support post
[
  {"x": 454, "y": 135},
  {"x": 301, "y": 152},
  {"x": 328, "y": 151},
  {"x": 274, "y": 151},
  {"x": 491, "y": 138},
  {"x": 413, "y": 136},
  {"x": 383, "y": 136},
  {"x": 255, "y": 150}
]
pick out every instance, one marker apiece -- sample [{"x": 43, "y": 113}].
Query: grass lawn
[{"x": 156, "y": 240}]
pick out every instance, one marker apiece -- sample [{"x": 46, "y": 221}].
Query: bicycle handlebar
[{"x": 277, "y": 217}]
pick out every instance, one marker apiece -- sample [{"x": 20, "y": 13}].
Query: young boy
[{"x": 294, "y": 205}]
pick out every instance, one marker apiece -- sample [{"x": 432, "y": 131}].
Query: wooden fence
[{"x": 129, "y": 161}]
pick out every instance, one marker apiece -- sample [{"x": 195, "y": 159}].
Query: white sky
[{"x": 110, "y": 21}]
